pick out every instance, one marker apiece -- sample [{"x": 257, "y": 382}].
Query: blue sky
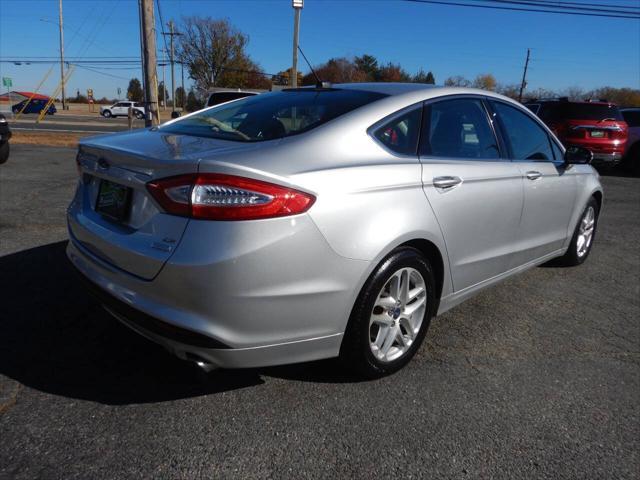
[{"x": 566, "y": 50}]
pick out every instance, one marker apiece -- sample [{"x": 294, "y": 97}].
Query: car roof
[{"x": 397, "y": 89}]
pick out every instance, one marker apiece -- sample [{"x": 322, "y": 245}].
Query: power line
[
  {"x": 519, "y": 9},
  {"x": 604, "y": 5},
  {"x": 560, "y": 7},
  {"x": 101, "y": 73}
]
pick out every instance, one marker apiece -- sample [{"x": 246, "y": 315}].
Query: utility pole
[
  {"x": 64, "y": 101},
  {"x": 164, "y": 83},
  {"x": 524, "y": 76},
  {"x": 184, "y": 94},
  {"x": 172, "y": 34},
  {"x": 144, "y": 83},
  {"x": 297, "y": 8},
  {"x": 150, "y": 62}
]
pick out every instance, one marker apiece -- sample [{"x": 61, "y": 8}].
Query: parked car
[
  {"x": 216, "y": 98},
  {"x": 597, "y": 126},
  {"x": 319, "y": 222},
  {"x": 34, "y": 106},
  {"x": 632, "y": 155},
  {"x": 5, "y": 135},
  {"x": 121, "y": 109}
]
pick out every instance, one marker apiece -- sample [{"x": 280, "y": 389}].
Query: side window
[
  {"x": 557, "y": 152},
  {"x": 401, "y": 134},
  {"x": 528, "y": 140},
  {"x": 458, "y": 129}
]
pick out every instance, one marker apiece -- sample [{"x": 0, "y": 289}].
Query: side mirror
[{"x": 577, "y": 155}]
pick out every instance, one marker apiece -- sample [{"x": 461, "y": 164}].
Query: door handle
[
  {"x": 446, "y": 182},
  {"x": 533, "y": 175}
]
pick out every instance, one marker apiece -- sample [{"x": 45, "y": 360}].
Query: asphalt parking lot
[{"x": 536, "y": 378}]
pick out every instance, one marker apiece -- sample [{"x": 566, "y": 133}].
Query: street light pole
[
  {"x": 64, "y": 102},
  {"x": 297, "y": 8}
]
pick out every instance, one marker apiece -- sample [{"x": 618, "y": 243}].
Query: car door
[
  {"x": 475, "y": 193},
  {"x": 549, "y": 187},
  {"x": 120, "y": 108}
]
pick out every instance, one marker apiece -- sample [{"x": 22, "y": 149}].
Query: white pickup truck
[{"x": 122, "y": 109}]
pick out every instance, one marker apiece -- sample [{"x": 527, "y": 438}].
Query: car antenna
[{"x": 319, "y": 83}]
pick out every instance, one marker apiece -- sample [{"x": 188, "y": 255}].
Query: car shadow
[
  {"x": 57, "y": 339},
  {"x": 617, "y": 171}
]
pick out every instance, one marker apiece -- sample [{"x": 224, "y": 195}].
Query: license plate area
[
  {"x": 114, "y": 201},
  {"x": 597, "y": 134}
]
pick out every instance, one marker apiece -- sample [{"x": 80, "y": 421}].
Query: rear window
[
  {"x": 221, "y": 97},
  {"x": 270, "y": 116},
  {"x": 578, "y": 111}
]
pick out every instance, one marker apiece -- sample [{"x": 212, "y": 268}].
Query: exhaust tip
[{"x": 205, "y": 366}]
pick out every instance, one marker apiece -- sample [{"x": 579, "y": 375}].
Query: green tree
[
  {"x": 134, "y": 90},
  {"x": 422, "y": 77},
  {"x": 368, "y": 64},
  {"x": 193, "y": 102},
  {"x": 180, "y": 97},
  {"x": 162, "y": 88},
  {"x": 431, "y": 79}
]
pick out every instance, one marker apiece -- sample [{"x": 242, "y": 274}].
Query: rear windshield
[
  {"x": 270, "y": 116},
  {"x": 579, "y": 111},
  {"x": 221, "y": 97}
]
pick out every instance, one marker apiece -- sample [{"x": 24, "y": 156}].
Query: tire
[
  {"x": 360, "y": 350},
  {"x": 576, "y": 255},
  {"x": 139, "y": 115},
  {"x": 4, "y": 152},
  {"x": 107, "y": 114}
]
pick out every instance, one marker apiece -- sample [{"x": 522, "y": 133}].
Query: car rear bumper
[
  {"x": 193, "y": 346},
  {"x": 280, "y": 296}
]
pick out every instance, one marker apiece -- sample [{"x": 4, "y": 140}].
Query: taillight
[
  {"x": 214, "y": 196},
  {"x": 622, "y": 131}
]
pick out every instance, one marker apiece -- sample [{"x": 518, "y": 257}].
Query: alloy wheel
[
  {"x": 397, "y": 315},
  {"x": 585, "y": 232}
]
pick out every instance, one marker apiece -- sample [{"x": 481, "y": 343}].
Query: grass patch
[{"x": 51, "y": 139}]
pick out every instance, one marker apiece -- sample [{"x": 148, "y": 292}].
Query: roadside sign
[
  {"x": 6, "y": 81},
  {"x": 298, "y": 3}
]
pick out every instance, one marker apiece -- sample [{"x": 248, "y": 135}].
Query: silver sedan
[{"x": 320, "y": 222}]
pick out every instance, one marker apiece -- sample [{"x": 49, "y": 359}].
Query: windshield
[{"x": 271, "y": 116}]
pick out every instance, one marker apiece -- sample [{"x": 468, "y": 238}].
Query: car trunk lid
[{"x": 115, "y": 169}]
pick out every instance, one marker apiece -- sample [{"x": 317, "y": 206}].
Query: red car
[{"x": 598, "y": 126}]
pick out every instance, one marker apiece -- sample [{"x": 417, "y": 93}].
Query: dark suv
[{"x": 598, "y": 126}]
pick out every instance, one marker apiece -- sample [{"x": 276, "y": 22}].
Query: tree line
[{"x": 214, "y": 52}]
